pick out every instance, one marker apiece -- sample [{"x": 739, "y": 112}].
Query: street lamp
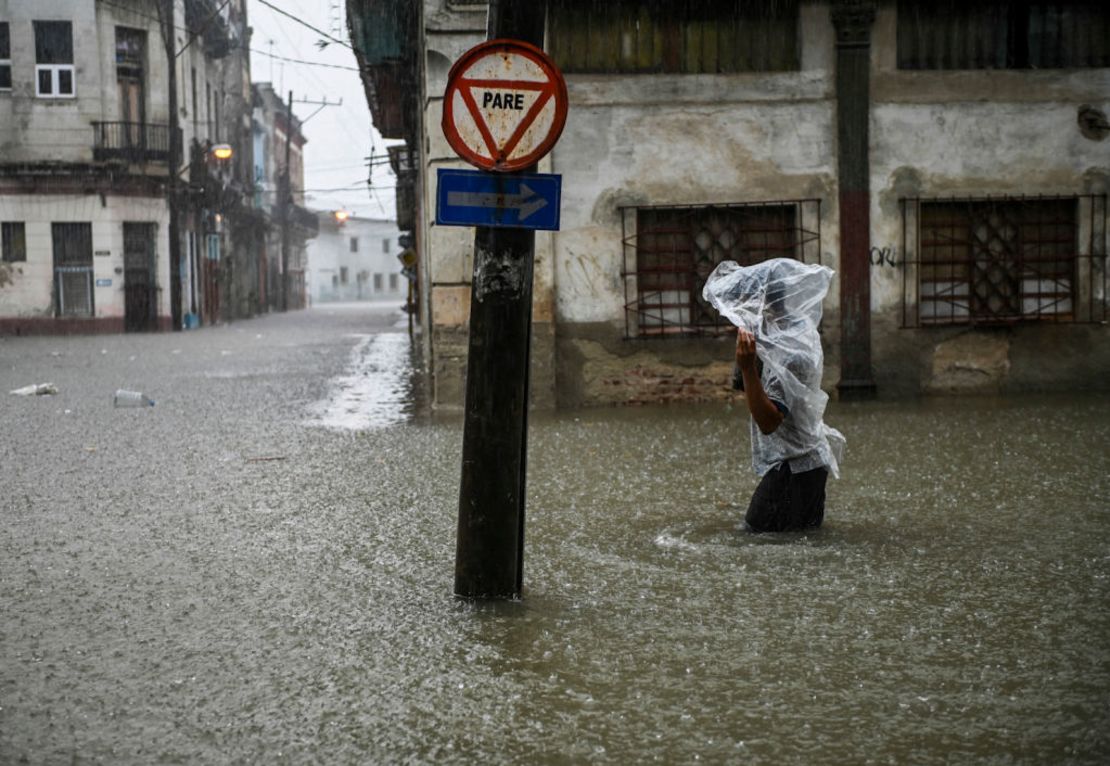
[
  {"x": 222, "y": 151},
  {"x": 341, "y": 216}
]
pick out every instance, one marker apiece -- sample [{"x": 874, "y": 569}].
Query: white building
[{"x": 356, "y": 259}]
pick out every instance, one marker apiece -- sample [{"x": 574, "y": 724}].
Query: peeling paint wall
[
  {"x": 640, "y": 140},
  {"x": 995, "y": 133}
]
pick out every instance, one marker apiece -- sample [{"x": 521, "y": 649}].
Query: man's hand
[
  {"x": 745, "y": 350},
  {"x": 765, "y": 414}
]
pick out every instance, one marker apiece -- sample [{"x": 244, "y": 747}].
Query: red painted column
[{"x": 853, "y": 20}]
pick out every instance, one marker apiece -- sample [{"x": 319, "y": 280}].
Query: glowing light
[
  {"x": 222, "y": 151},
  {"x": 341, "y": 215}
]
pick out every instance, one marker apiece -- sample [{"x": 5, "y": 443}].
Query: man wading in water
[{"x": 776, "y": 306}]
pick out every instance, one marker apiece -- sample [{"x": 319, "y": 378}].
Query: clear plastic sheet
[{"x": 779, "y": 302}]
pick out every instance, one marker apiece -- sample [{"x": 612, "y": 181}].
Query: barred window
[
  {"x": 1004, "y": 261},
  {"x": 670, "y": 251},
  {"x": 73, "y": 269},
  {"x": 955, "y": 34},
  {"x": 654, "y": 36}
]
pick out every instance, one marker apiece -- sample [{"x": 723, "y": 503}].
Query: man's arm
[{"x": 764, "y": 412}]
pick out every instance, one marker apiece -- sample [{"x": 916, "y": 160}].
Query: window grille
[
  {"x": 706, "y": 37},
  {"x": 954, "y": 34},
  {"x": 670, "y": 251},
  {"x": 54, "y": 59},
  {"x": 1004, "y": 260},
  {"x": 73, "y": 269},
  {"x": 5, "y": 57}
]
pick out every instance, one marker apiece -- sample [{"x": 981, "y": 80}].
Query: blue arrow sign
[{"x": 474, "y": 198}]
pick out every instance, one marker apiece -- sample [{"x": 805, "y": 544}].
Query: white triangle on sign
[{"x": 503, "y": 110}]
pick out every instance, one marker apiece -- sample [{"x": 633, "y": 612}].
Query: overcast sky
[{"x": 340, "y": 138}]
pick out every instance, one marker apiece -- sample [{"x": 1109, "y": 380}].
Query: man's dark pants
[{"x": 785, "y": 502}]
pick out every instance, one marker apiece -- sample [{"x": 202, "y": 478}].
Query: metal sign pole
[{"x": 490, "y": 547}]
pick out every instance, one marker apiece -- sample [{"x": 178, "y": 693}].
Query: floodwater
[{"x": 259, "y": 570}]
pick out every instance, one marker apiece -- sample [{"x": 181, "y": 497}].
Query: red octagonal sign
[{"x": 505, "y": 105}]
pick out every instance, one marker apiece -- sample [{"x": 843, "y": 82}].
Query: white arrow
[{"x": 525, "y": 202}]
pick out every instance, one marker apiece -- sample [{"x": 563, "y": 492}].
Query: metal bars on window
[
  {"x": 73, "y": 269},
  {"x": 1004, "y": 260},
  {"x": 670, "y": 251}
]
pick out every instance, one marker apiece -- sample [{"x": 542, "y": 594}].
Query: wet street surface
[{"x": 258, "y": 569}]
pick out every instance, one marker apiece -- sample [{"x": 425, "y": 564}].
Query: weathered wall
[
  {"x": 675, "y": 140},
  {"x": 27, "y": 292},
  {"x": 671, "y": 140},
  {"x": 974, "y": 134},
  {"x": 449, "y": 250}
]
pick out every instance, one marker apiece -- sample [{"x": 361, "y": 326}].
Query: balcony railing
[{"x": 134, "y": 142}]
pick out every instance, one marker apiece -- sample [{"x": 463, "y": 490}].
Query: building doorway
[{"x": 140, "y": 304}]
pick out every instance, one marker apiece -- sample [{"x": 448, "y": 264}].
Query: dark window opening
[
  {"x": 670, "y": 251},
  {"x": 342, "y": 275},
  {"x": 130, "y": 47},
  {"x": 53, "y": 42},
  {"x": 13, "y": 241},
  {"x": 354, "y": 244},
  {"x": 708, "y": 37},
  {"x": 5, "y": 57},
  {"x": 952, "y": 34},
  {"x": 1003, "y": 261}
]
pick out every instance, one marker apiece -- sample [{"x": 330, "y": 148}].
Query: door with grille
[
  {"x": 73, "y": 269},
  {"x": 138, "y": 276}
]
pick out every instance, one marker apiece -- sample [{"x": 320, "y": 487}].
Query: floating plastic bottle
[
  {"x": 36, "y": 389},
  {"x": 125, "y": 398}
]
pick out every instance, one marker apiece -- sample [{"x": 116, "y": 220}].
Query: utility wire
[
  {"x": 302, "y": 61},
  {"x": 304, "y": 23},
  {"x": 196, "y": 32}
]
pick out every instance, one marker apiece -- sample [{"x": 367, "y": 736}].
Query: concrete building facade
[
  {"x": 90, "y": 128},
  {"x": 355, "y": 259},
  {"x": 952, "y": 167}
]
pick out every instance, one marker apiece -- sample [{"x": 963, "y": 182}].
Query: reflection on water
[{"x": 377, "y": 389}]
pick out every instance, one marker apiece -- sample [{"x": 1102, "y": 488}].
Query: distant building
[
  {"x": 356, "y": 259},
  {"x": 87, "y": 141},
  {"x": 280, "y": 197},
  {"x": 948, "y": 160}
]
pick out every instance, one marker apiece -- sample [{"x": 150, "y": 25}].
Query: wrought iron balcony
[{"x": 134, "y": 142}]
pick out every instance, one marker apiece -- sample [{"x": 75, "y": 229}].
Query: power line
[
  {"x": 195, "y": 32},
  {"x": 304, "y": 23},
  {"x": 302, "y": 61}
]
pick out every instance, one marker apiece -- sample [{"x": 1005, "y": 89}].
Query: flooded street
[{"x": 259, "y": 570}]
